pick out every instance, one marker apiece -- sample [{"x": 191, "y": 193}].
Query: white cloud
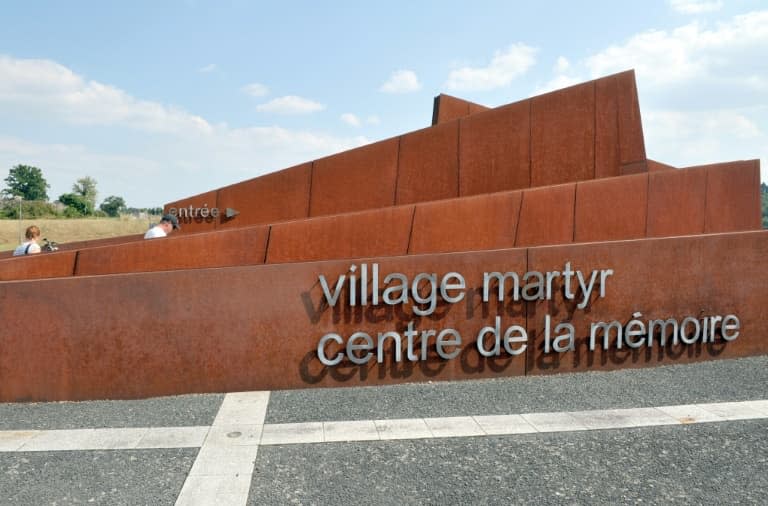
[
  {"x": 350, "y": 119},
  {"x": 193, "y": 156},
  {"x": 256, "y": 89},
  {"x": 373, "y": 120},
  {"x": 290, "y": 104},
  {"x": 47, "y": 88},
  {"x": 208, "y": 68},
  {"x": 556, "y": 83},
  {"x": 505, "y": 66},
  {"x": 689, "y": 52},
  {"x": 685, "y": 138},
  {"x": 695, "y": 6},
  {"x": 401, "y": 81},
  {"x": 562, "y": 65}
]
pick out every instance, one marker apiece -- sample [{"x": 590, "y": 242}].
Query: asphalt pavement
[{"x": 683, "y": 434}]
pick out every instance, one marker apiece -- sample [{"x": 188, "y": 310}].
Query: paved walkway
[{"x": 615, "y": 437}]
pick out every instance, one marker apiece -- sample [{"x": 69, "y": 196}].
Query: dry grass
[{"x": 68, "y": 230}]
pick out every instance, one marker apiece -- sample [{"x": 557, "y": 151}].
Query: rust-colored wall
[
  {"x": 631, "y": 141},
  {"x": 246, "y": 328},
  {"x": 169, "y": 333},
  {"x": 494, "y": 150},
  {"x": 447, "y": 108},
  {"x": 107, "y": 241},
  {"x": 591, "y": 130},
  {"x": 358, "y": 179},
  {"x": 428, "y": 166},
  {"x": 44, "y": 265},
  {"x": 198, "y": 224},
  {"x": 466, "y": 224},
  {"x": 611, "y": 209},
  {"x": 282, "y": 195},
  {"x": 660, "y": 278},
  {"x": 546, "y": 216},
  {"x": 676, "y": 200},
  {"x": 563, "y": 136},
  {"x": 383, "y": 232},
  {"x": 654, "y": 166},
  {"x": 733, "y": 196},
  {"x": 246, "y": 246},
  {"x": 666, "y": 203}
]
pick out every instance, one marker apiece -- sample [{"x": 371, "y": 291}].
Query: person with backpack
[{"x": 30, "y": 246}]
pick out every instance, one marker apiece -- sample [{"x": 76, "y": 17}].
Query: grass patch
[{"x": 70, "y": 230}]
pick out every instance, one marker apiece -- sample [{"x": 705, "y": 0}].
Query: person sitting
[
  {"x": 30, "y": 246},
  {"x": 167, "y": 224}
]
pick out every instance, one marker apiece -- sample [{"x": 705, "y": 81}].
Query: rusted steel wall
[
  {"x": 447, "y": 108},
  {"x": 258, "y": 327},
  {"x": 220, "y": 249},
  {"x": 44, "y": 265},
  {"x": 589, "y": 131},
  {"x": 717, "y": 198},
  {"x": 697, "y": 276}
]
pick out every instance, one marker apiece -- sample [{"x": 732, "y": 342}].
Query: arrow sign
[{"x": 231, "y": 213}]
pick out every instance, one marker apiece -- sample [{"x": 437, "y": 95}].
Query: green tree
[
  {"x": 85, "y": 187},
  {"x": 27, "y": 182},
  {"x": 76, "y": 205},
  {"x": 764, "y": 197},
  {"x": 113, "y": 205}
]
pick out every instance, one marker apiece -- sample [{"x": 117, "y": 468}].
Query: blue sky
[{"x": 163, "y": 100}]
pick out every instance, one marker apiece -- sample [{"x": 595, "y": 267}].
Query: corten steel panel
[
  {"x": 676, "y": 202},
  {"x": 358, "y": 179},
  {"x": 246, "y": 246},
  {"x": 654, "y": 166},
  {"x": 106, "y": 241},
  {"x": 428, "y": 168},
  {"x": 44, "y": 265},
  {"x": 607, "y": 145},
  {"x": 381, "y": 232},
  {"x": 191, "y": 224},
  {"x": 447, "y": 108},
  {"x": 631, "y": 142},
  {"x": 733, "y": 196},
  {"x": 627, "y": 169},
  {"x": 563, "y": 136},
  {"x": 677, "y": 277},
  {"x": 234, "y": 329},
  {"x": 611, "y": 209},
  {"x": 466, "y": 224},
  {"x": 546, "y": 216},
  {"x": 494, "y": 152},
  {"x": 279, "y": 196}
]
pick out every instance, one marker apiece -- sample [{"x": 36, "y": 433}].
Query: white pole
[{"x": 20, "y": 198}]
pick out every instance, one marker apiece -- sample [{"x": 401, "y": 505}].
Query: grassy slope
[{"x": 63, "y": 230}]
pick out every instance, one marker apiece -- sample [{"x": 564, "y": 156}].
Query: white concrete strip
[
  {"x": 12, "y": 440},
  {"x": 292, "y": 433},
  {"x": 174, "y": 437},
  {"x": 457, "y": 426},
  {"x": 690, "y": 413},
  {"x": 222, "y": 471},
  {"x": 497, "y": 425},
  {"x": 553, "y": 422},
  {"x": 85, "y": 439},
  {"x": 364, "y": 430},
  {"x": 223, "y": 440},
  {"x": 761, "y": 406},
  {"x": 414, "y": 428},
  {"x": 733, "y": 410},
  {"x": 623, "y": 418}
]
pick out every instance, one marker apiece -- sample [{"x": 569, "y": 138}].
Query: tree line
[{"x": 26, "y": 188}]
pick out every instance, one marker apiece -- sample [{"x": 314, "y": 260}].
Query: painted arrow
[{"x": 231, "y": 213}]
